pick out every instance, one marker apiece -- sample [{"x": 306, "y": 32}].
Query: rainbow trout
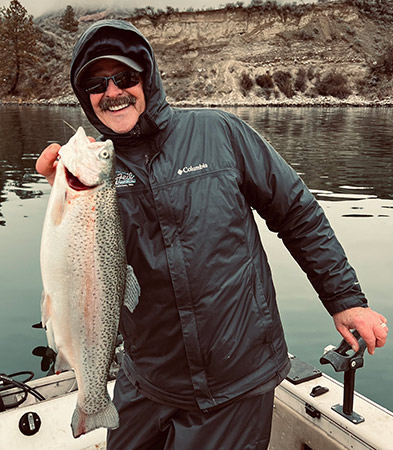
[{"x": 85, "y": 276}]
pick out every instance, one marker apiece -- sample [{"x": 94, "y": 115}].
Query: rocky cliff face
[
  {"x": 253, "y": 57},
  {"x": 310, "y": 54}
]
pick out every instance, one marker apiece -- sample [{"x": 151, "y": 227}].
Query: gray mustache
[{"x": 106, "y": 102}]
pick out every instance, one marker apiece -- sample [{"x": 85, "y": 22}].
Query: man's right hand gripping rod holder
[{"x": 342, "y": 362}]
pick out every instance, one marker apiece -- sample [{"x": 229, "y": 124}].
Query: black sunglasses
[{"x": 123, "y": 80}]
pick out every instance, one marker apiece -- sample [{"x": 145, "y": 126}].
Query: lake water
[{"x": 345, "y": 155}]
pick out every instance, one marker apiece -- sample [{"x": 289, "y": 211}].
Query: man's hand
[
  {"x": 370, "y": 325},
  {"x": 47, "y": 161}
]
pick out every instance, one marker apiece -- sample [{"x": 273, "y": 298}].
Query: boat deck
[{"x": 300, "y": 421}]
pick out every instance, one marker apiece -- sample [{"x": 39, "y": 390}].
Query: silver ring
[{"x": 383, "y": 324}]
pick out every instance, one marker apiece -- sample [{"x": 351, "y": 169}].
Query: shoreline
[{"x": 296, "y": 102}]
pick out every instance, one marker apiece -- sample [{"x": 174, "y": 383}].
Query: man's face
[{"x": 118, "y": 109}]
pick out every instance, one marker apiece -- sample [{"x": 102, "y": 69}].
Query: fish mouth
[{"x": 75, "y": 183}]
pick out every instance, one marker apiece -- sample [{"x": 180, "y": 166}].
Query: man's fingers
[
  {"x": 372, "y": 340},
  {"x": 374, "y": 336},
  {"x": 382, "y": 320},
  {"x": 349, "y": 337},
  {"x": 381, "y": 333},
  {"x": 371, "y": 326},
  {"x": 369, "y": 337},
  {"x": 378, "y": 334},
  {"x": 46, "y": 163}
]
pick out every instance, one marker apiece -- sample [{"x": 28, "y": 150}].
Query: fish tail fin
[{"x": 82, "y": 422}]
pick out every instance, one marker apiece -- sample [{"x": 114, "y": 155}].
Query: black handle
[{"x": 341, "y": 360}]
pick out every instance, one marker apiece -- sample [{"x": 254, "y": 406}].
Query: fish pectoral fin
[
  {"x": 50, "y": 335},
  {"x": 58, "y": 207},
  {"x": 132, "y": 290},
  {"x": 61, "y": 363},
  {"x": 45, "y": 308},
  {"x": 82, "y": 422}
]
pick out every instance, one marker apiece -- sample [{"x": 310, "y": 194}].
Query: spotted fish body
[{"x": 84, "y": 274}]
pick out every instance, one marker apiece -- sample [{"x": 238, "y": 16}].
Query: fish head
[{"x": 87, "y": 164}]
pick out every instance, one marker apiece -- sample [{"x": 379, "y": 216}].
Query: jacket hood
[{"x": 120, "y": 37}]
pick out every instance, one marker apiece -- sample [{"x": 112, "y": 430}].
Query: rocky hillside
[{"x": 321, "y": 53}]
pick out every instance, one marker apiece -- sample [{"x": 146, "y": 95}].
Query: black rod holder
[
  {"x": 342, "y": 362},
  {"x": 349, "y": 388}
]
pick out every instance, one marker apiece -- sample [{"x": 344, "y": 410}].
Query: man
[{"x": 205, "y": 347}]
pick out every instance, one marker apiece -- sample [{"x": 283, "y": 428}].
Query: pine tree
[
  {"x": 68, "y": 21},
  {"x": 18, "y": 43}
]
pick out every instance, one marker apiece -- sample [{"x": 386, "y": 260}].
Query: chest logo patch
[{"x": 125, "y": 179}]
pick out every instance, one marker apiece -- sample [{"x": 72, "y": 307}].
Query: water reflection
[
  {"x": 25, "y": 132},
  {"x": 335, "y": 150},
  {"x": 332, "y": 148}
]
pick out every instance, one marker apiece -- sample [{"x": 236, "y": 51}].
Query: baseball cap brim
[{"x": 123, "y": 59}]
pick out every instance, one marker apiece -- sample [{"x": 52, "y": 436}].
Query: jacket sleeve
[{"x": 279, "y": 196}]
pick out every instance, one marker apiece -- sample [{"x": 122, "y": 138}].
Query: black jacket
[{"x": 207, "y": 328}]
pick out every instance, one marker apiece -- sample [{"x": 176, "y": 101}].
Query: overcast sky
[{"x": 38, "y": 7}]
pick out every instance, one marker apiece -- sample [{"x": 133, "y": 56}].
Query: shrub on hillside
[
  {"x": 311, "y": 72},
  {"x": 384, "y": 63},
  {"x": 284, "y": 83},
  {"x": 377, "y": 10},
  {"x": 266, "y": 83},
  {"x": 334, "y": 84},
  {"x": 246, "y": 83},
  {"x": 301, "y": 80},
  {"x": 307, "y": 34}
]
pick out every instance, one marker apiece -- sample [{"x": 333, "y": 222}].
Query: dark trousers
[{"x": 242, "y": 425}]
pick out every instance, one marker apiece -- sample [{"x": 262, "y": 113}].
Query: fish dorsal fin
[{"x": 132, "y": 290}]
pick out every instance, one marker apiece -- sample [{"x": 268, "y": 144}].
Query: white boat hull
[
  {"x": 55, "y": 414},
  {"x": 293, "y": 427}
]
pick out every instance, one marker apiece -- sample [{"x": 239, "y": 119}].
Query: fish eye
[{"x": 104, "y": 154}]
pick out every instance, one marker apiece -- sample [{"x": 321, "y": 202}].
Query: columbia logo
[{"x": 189, "y": 169}]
